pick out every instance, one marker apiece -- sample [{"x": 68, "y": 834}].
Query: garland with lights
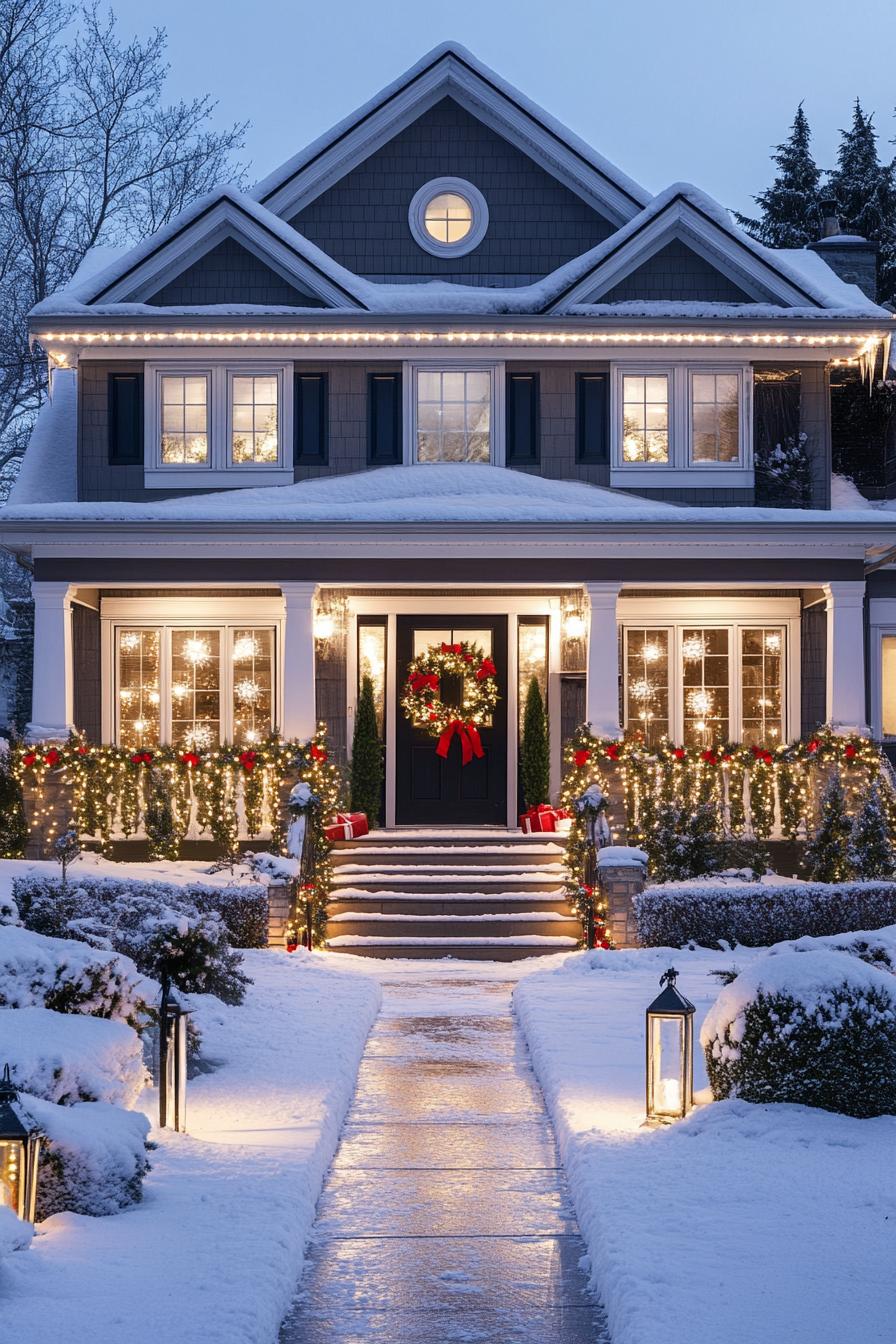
[{"x": 422, "y": 701}]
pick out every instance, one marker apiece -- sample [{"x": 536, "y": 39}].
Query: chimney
[{"x": 849, "y": 255}]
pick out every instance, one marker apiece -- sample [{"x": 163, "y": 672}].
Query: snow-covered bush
[
  {"x": 758, "y": 914},
  {"x": 94, "y": 1158},
  {"x": 146, "y": 921},
  {"x": 243, "y": 910},
  {"x": 14, "y": 1234},
  {"x": 784, "y": 472},
  {"x": 66, "y": 1057},
  {"x": 814, "y": 1027},
  {"x": 68, "y": 977}
]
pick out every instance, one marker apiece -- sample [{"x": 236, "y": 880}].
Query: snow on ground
[
  {"x": 179, "y": 873},
  {"x": 213, "y": 1253},
  {"x": 743, "y": 1224}
]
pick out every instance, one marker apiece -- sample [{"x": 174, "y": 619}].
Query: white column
[
  {"x": 299, "y": 712},
  {"x": 52, "y": 698},
  {"x": 845, "y": 607},
  {"x": 602, "y": 686}
]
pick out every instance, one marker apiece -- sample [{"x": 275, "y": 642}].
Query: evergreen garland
[
  {"x": 367, "y": 758},
  {"x": 535, "y": 760},
  {"x": 158, "y": 819}
]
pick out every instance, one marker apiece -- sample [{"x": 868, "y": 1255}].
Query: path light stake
[
  {"x": 172, "y": 1061},
  {"x": 670, "y": 1053},
  {"x": 20, "y": 1140}
]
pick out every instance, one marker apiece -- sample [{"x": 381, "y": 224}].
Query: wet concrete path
[{"x": 445, "y": 1217}]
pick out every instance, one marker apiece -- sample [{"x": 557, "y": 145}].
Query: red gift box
[
  {"x": 347, "y": 826},
  {"x": 540, "y": 818}
]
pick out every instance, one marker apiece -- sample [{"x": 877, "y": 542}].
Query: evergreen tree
[
  {"x": 535, "y": 761},
  {"x": 871, "y": 853},
  {"x": 865, "y": 192},
  {"x": 158, "y": 820},
  {"x": 791, "y": 212},
  {"x": 13, "y": 826},
  {"x": 683, "y": 842},
  {"x": 367, "y": 758},
  {"x": 827, "y": 859}
]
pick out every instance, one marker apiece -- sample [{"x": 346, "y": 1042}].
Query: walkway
[{"x": 445, "y": 1218}]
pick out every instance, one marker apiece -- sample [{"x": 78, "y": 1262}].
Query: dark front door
[{"x": 430, "y": 790}]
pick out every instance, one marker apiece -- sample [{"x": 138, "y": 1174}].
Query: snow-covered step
[
  {"x": 448, "y": 903},
  {"x": 492, "y": 924},
  {"x": 351, "y": 855},
  {"x": 464, "y": 949},
  {"x": 446, "y": 879}
]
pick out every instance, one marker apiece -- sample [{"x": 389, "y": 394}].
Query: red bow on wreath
[
  {"x": 422, "y": 681},
  {"x": 470, "y": 741},
  {"x": 486, "y": 669}
]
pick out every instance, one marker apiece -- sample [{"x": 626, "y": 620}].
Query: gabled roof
[
  {"x": 449, "y": 70},
  {"x": 134, "y": 275},
  {"x": 683, "y": 212}
]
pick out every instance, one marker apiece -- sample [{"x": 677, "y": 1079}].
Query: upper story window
[
  {"x": 453, "y": 415},
  {"x": 715, "y": 417},
  {"x": 215, "y": 425},
  {"x": 448, "y": 217},
  {"x": 645, "y": 418}
]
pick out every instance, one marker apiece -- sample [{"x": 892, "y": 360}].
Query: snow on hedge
[
  {"x": 758, "y": 914},
  {"x": 68, "y": 977},
  {"x": 93, "y": 1160},
  {"x": 14, "y": 1234},
  {"x": 66, "y": 1057}
]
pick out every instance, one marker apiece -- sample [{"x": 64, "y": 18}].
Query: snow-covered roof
[
  {"x": 48, "y": 473},
  {"x": 437, "y": 493}
]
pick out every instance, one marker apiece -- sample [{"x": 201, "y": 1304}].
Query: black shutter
[
  {"x": 310, "y": 428},
  {"x": 383, "y": 419},
  {"x": 125, "y": 395},
  {"x": 523, "y": 432},
  {"x": 592, "y": 417}
]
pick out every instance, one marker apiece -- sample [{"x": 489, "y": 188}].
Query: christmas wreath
[{"x": 425, "y": 708}]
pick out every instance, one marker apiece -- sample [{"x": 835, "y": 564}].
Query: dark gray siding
[
  {"x": 815, "y": 423},
  {"x": 230, "y": 273},
  {"x": 813, "y": 658},
  {"x": 97, "y": 477},
  {"x": 86, "y": 662},
  {"x": 535, "y": 223},
  {"x": 676, "y": 273}
]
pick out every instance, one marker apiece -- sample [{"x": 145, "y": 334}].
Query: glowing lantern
[
  {"x": 670, "y": 1053},
  {"x": 19, "y": 1152}
]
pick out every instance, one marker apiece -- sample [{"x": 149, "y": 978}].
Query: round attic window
[{"x": 448, "y": 217}]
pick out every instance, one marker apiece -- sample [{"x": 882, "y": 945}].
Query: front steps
[{"x": 484, "y": 895}]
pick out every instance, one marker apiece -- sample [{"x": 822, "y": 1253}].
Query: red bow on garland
[
  {"x": 316, "y": 753},
  {"x": 452, "y": 648},
  {"x": 141, "y": 758},
  {"x": 191, "y": 759},
  {"x": 486, "y": 669},
  {"x": 470, "y": 741},
  {"x": 248, "y": 760},
  {"x": 423, "y": 681}
]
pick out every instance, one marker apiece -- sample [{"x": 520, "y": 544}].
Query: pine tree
[
  {"x": 871, "y": 853},
  {"x": 158, "y": 820},
  {"x": 826, "y": 858},
  {"x": 535, "y": 760},
  {"x": 367, "y": 758},
  {"x": 13, "y": 826},
  {"x": 683, "y": 842},
  {"x": 865, "y": 192},
  {"x": 791, "y": 212}
]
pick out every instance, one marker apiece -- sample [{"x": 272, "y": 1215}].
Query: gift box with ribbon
[
  {"x": 347, "y": 826},
  {"x": 542, "y": 818}
]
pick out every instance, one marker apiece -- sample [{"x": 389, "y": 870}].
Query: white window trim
[
  {"x": 882, "y": 622},
  {"x": 681, "y": 471},
  {"x": 219, "y": 470},
  {"x": 173, "y": 613},
  {"x": 417, "y": 217},
  {"x": 411, "y": 370},
  {"x": 734, "y": 615}
]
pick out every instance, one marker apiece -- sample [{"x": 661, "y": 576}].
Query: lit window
[
  {"x": 888, "y": 685},
  {"x": 139, "y": 697},
  {"x": 448, "y": 217},
  {"x": 372, "y": 664},
  {"x": 253, "y": 684},
  {"x": 762, "y": 663},
  {"x": 184, "y": 437},
  {"x": 647, "y": 684},
  {"x": 254, "y": 419},
  {"x": 196, "y": 689},
  {"x": 453, "y": 415},
  {"x": 705, "y": 686},
  {"x": 715, "y": 417},
  {"x": 645, "y": 418},
  {"x": 532, "y": 661}
]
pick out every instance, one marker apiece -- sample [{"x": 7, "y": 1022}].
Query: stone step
[
  {"x": 445, "y": 881},
  {"x": 495, "y": 856},
  {"x": 438, "y": 903},
  {"x": 471, "y": 949},
  {"x": 489, "y": 925},
  {"x": 449, "y": 837}
]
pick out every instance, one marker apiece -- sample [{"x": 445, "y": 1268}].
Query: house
[{"x": 449, "y": 375}]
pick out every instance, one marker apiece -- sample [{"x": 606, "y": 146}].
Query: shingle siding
[
  {"x": 535, "y": 223},
  {"x": 813, "y": 670},
  {"x": 230, "y": 273},
  {"x": 86, "y": 659},
  {"x": 676, "y": 273}
]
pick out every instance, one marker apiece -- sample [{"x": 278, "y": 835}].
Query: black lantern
[
  {"x": 19, "y": 1152},
  {"x": 172, "y": 1061},
  {"x": 670, "y": 1053}
]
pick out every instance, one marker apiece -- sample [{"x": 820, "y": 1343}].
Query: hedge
[{"x": 759, "y": 914}]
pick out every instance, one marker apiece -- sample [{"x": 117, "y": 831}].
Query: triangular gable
[
  {"x": 683, "y": 216},
  {"x": 451, "y": 71},
  {"x": 230, "y": 273},
  {"x": 175, "y": 251}
]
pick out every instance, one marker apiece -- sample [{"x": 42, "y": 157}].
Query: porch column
[
  {"x": 602, "y": 683},
  {"x": 299, "y": 709},
  {"x": 52, "y": 696},
  {"x": 845, "y": 704}
]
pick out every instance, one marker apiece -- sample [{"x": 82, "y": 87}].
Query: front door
[{"x": 430, "y": 790}]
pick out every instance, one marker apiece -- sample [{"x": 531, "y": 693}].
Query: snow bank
[
  {"x": 14, "y": 1234},
  {"x": 49, "y": 469},
  {"x": 67, "y": 976},
  {"x": 64, "y": 1057},
  {"x": 621, "y": 856},
  {"x": 94, "y": 1159}
]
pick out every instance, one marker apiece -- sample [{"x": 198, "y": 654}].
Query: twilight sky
[{"x": 670, "y": 90}]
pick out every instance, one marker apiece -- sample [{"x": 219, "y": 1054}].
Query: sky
[{"x": 670, "y": 90}]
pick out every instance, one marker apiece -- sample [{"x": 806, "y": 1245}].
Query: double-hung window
[
  {"x": 218, "y": 425},
  {"x": 454, "y": 412},
  {"x": 681, "y": 425}
]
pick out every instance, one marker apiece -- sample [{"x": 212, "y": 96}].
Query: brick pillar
[
  {"x": 279, "y": 902},
  {"x": 619, "y": 883},
  {"x": 47, "y": 817}
]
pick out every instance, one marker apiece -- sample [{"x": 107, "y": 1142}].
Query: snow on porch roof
[{"x": 437, "y": 493}]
